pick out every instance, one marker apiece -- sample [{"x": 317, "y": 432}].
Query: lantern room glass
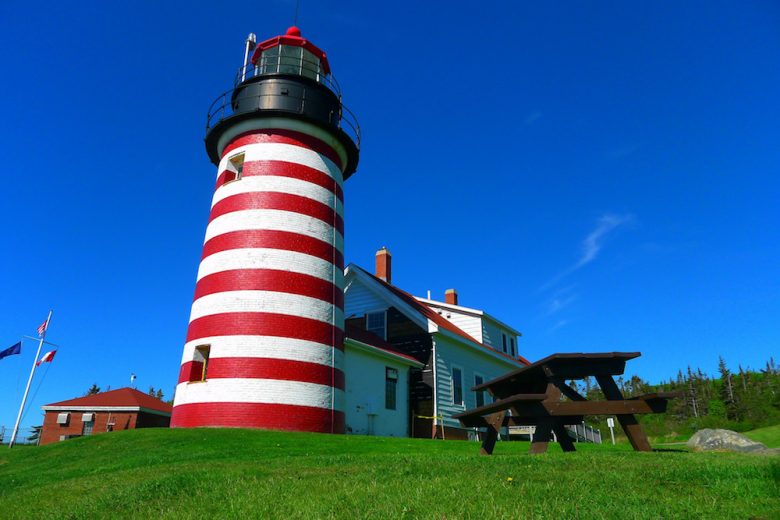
[{"x": 289, "y": 59}]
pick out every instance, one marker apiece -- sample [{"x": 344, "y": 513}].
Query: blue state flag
[{"x": 10, "y": 351}]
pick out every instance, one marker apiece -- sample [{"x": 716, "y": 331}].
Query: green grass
[
  {"x": 255, "y": 474},
  {"x": 769, "y": 436}
]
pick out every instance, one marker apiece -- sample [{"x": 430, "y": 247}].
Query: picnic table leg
[
  {"x": 634, "y": 431},
  {"x": 542, "y": 436},
  {"x": 494, "y": 421},
  {"x": 563, "y": 436}
]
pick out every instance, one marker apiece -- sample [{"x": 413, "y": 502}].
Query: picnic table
[{"x": 533, "y": 395}]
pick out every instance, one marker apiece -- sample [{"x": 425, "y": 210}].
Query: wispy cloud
[
  {"x": 558, "y": 325},
  {"x": 532, "y": 117},
  {"x": 592, "y": 244},
  {"x": 561, "y": 299}
]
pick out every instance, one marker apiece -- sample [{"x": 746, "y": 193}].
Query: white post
[
  {"x": 250, "y": 44},
  {"x": 611, "y": 424},
  {"x": 29, "y": 382}
]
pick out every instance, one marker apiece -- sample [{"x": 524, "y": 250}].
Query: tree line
[{"x": 740, "y": 400}]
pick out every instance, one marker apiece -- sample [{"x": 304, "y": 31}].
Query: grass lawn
[
  {"x": 255, "y": 474},
  {"x": 769, "y": 436}
]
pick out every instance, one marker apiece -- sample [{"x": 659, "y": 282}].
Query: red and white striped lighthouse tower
[{"x": 264, "y": 346}]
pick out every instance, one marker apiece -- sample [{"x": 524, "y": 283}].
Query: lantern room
[{"x": 290, "y": 54}]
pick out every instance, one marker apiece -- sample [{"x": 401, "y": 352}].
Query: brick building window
[
  {"x": 87, "y": 423},
  {"x": 63, "y": 419}
]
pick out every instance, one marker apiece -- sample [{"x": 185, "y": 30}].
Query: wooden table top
[{"x": 534, "y": 377}]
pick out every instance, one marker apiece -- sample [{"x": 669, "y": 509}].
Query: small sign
[{"x": 610, "y": 422}]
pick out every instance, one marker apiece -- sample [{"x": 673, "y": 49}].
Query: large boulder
[{"x": 723, "y": 440}]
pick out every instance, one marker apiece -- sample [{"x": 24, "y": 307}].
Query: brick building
[{"x": 121, "y": 409}]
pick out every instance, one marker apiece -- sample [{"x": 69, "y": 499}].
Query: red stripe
[
  {"x": 274, "y": 135},
  {"x": 270, "y": 239},
  {"x": 267, "y": 368},
  {"x": 258, "y": 415},
  {"x": 287, "y": 169},
  {"x": 270, "y": 280},
  {"x": 265, "y": 324},
  {"x": 280, "y": 201}
]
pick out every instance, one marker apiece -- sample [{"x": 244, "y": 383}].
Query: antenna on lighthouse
[{"x": 251, "y": 41}]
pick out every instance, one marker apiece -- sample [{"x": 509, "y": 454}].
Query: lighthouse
[{"x": 264, "y": 346}]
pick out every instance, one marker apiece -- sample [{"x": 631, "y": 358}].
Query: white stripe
[
  {"x": 267, "y": 347},
  {"x": 279, "y": 259},
  {"x": 276, "y": 220},
  {"x": 266, "y": 301},
  {"x": 285, "y": 153},
  {"x": 281, "y": 123},
  {"x": 278, "y": 184},
  {"x": 270, "y": 391}
]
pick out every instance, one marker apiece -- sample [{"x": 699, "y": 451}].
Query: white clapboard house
[{"x": 426, "y": 355}]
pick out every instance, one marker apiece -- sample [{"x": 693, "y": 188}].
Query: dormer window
[{"x": 376, "y": 322}]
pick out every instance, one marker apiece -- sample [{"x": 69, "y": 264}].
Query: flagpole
[{"x": 29, "y": 382}]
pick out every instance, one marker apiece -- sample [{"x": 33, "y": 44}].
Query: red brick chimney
[
  {"x": 451, "y": 296},
  {"x": 384, "y": 261}
]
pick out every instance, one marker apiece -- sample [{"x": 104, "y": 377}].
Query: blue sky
[{"x": 600, "y": 175}]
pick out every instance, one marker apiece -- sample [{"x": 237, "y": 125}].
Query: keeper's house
[
  {"x": 429, "y": 354},
  {"x": 122, "y": 409}
]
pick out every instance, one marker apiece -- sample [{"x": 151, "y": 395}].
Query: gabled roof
[
  {"x": 433, "y": 316},
  {"x": 468, "y": 310},
  {"x": 120, "y": 398}
]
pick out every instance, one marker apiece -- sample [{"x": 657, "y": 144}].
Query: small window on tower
[
  {"x": 234, "y": 169},
  {"x": 200, "y": 363}
]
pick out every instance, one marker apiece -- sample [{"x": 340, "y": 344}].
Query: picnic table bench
[{"x": 534, "y": 393}]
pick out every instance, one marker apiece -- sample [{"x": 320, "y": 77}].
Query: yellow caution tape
[{"x": 429, "y": 417}]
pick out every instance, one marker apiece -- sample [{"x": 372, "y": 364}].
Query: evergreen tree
[{"x": 94, "y": 389}]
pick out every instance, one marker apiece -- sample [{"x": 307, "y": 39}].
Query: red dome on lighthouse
[{"x": 292, "y": 38}]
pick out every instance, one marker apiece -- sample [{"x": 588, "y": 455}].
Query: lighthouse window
[
  {"x": 235, "y": 168},
  {"x": 376, "y": 322},
  {"x": 200, "y": 363}
]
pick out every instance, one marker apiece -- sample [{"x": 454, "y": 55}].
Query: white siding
[
  {"x": 364, "y": 405},
  {"x": 358, "y": 300},
  {"x": 471, "y": 360},
  {"x": 468, "y": 323}
]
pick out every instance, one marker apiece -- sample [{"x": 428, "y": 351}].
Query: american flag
[{"x": 42, "y": 327}]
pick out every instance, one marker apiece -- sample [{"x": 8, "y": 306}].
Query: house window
[
  {"x": 512, "y": 346},
  {"x": 480, "y": 395},
  {"x": 376, "y": 322},
  {"x": 63, "y": 418},
  {"x": 503, "y": 339},
  {"x": 457, "y": 385},
  {"x": 391, "y": 387},
  {"x": 235, "y": 168},
  {"x": 200, "y": 363},
  {"x": 87, "y": 424}
]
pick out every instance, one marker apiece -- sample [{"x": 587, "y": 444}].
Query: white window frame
[
  {"x": 453, "y": 368},
  {"x": 384, "y": 328}
]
